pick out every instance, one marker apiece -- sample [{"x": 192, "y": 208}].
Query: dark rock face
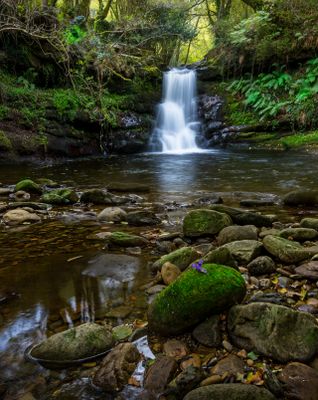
[{"x": 159, "y": 374}]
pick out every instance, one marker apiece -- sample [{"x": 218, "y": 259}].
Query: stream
[{"x": 56, "y": 268}]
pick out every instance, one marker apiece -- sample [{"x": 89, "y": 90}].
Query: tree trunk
[{"x": 255, "y": 4}]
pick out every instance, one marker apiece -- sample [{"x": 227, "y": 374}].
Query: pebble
[{"x": 227, "y": 345}]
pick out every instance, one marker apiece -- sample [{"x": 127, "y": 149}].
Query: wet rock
[
  {"x": 301, "y": 198},
  {"x": 49, "y": 183},
  {"x": 299, "y": 234},
  {"x": 231, "y": 391},
  {"x": 191, "y": 360},
  {"x": 208, "y": 332},
  {"x": 112, "y": 214},
  {"x": 308, "y": 270},
  {"x": 235, "y": 233},
  {"x": 186, "y": 381},
  {"x": 182, "y": 258},
  {"x": 175, "y": 349},
  {"x": 19, "y": 216},
  {"x": 204, "y": 223},
  {"x": 221, "y": 256},
  {"x": 120, "y": 312},
  {"x": 231, "y": 365},
  {"x": 274, "y": 331},
  {"x": 257, "y": 203},
  {"x": 159, "y": 374},
  {"x": 300, "y": 382},
  {"x": 242, "y": 217},
  {"x": 311, "y": 223},
  {"x": 262, "y": 265},
  {"x": 165, "y": 246},
  {"x": 274, "y": 298},
  {"x": 169, "y": 273},
  {"x": 193, "y": 297},
  {"x": 286, "y": 250},
  {"x": 244, "y": 251},
  {"x": 123, "y": 239},
  {"x": 99, "y": 196},
  {"x": 60, "y": 197},
  {"x": 4, "y": 192},
  {"x": 29, "y": 186},
  {"x": 76, "y": 343},
  {"x": 141, "y": 218},
  {"x": 117, "y": 367},
  {"x": 207, "y": 200},
  {"x": 153, "y": 290},
  {"x": 21, "y": 195}
]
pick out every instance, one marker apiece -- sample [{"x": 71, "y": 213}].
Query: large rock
[
  {"x": 235, "y": 232},
  {"x": 182, "y": 258},
  {"x": 311, "y": 223},
  {"x": 262, "y": 265},
  {"x": 231, "y": 391},
  {"x": 160, "y": 373},
  {"x": 117, "y": 367},
  {"x": 244, "y": 251},
  {"x": 193, "y": 297},
  {"x": 301, "y": 198},
  {"x": 286, "y": 250},
  {"x": 221, "y": 256},
  {"x": 76, "y": 343},
  {"x": 300, "y": 382},
  {"x": 99, "y": 196},
  {"x": 60, "y": 197},
  {"x": 123, "y": 239},
  {"x": 274, "y": 331},
  {"x": 298, "y": 234},
  {"x": 29, "y": 186},
  {"x": 308, "y": 270},
  {"x": 112, "y": 214},
  {"x": 19, "y": 216},
  {"x": 204, "y": 223},
  {"x": 141, "y": 218},
  {"x": 208, "y": 332},
  {"x": 242, "y": 217}
]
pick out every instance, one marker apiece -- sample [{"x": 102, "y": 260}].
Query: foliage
[{"x": 290, "y": 97}]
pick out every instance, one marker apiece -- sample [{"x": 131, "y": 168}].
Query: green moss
[
  {"x": 28, "y": 186},
  {"x": 195, "y": 296},
  {"x": 124, "y": 239},
  {"x": 5, "y": 142},
  {"x": 236, "y": 113},
  {"x": 299, "y": 140},
  {"x": 204, "y": 222},
  {"x": 60, "y": 197},
  {"x": 182, "y": 258},
  {"x": 4, "y": 112}
]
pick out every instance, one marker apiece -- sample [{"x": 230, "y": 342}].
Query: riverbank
[{"x": 97, "y": 252}]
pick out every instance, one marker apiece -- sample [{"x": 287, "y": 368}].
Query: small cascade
[{"x": 177, "y": 124}]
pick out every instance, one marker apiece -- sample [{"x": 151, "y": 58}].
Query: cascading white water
[{"x": 176, "y": 124}]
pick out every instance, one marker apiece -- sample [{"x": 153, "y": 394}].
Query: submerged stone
[
  {"x": 29, "y": 186},
  {"x": 204, "y": 223},
  {"x": 274, "y": 331},
  {"x": 76, "y": 343},
  {"x": 195, "y": 296},
  {"x": 60, "y": 197}
]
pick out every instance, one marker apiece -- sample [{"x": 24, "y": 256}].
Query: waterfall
[{"x": 176, "y": 124}]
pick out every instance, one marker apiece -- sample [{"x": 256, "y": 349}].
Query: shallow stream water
[{"x": 53, "y": 268}]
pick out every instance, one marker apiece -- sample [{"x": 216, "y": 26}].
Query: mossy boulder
[
  {"x": 299, "y": 234},
  {"x": 123, "y": 239},
  {"x": 221, "y": 256},
  {"x": 287, "y": 250},
  {"x": 231, "y": 391},
  {"x": 29, "y": 186},
  {"x": 236, "y": 232},
  {"x": 195, "y": 296},
  {"x": 311, "y": 223},
  {"x": 274, "y": 331},
  {"x": 204, "y": 223},
  {"x": 301, "y": 198},
  {"x": 243, "y": 217},
  {"x": 244, "y": 251},
  {"x": 60, "y": 197},
  {"x": 83, "y": 341},
  {"x": 99, "y": 196},
  {"x": 182, "y": 258}
]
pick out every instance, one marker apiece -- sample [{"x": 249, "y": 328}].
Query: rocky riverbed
[{"x": 223, "y": 306}]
